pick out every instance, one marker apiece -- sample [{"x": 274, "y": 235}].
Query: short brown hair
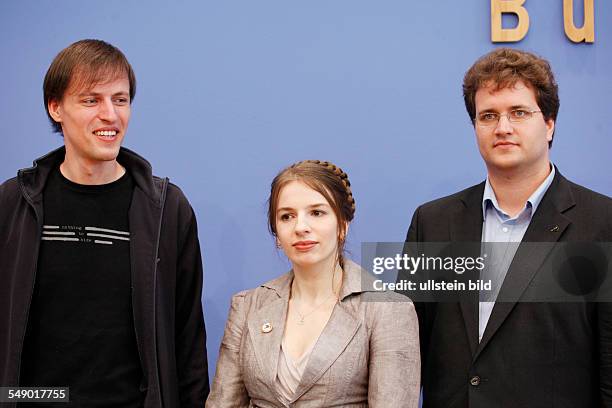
[
  {"x": 88, "y": 62},
  {"x": 503, "y": 68},
  {"x": 325, "y": 178}
]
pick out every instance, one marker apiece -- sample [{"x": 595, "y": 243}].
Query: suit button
[{"x": 475, "y": 381}]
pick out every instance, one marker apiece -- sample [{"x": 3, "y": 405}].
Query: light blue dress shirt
[{"x": 505, "y": 233}]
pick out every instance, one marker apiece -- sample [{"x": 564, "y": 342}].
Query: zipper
[
  {"x": 155, "y": 261},
  {"x": 161, "y": 216},
  {"x": 29, "y": 304},
  {"x": 132, "y": 273},
  {"x": 39, "y": 224}
]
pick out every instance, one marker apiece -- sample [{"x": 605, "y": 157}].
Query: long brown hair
[{"x": 328, "y": 180}]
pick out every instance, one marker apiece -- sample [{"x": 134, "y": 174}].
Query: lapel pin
[
  {"x": 266, "y": 327},
  {"x": 554, "y": 229}
]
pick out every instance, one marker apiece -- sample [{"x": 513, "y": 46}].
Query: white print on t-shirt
[{"x": 74, "y": 233}]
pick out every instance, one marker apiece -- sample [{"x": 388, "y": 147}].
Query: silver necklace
[{"x": 303, "y": 316}]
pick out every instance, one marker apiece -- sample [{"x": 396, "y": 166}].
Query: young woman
[{"x": 318, "y": 336}]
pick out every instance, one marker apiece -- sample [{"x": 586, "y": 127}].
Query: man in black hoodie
[{"x": 99, "y": 260}]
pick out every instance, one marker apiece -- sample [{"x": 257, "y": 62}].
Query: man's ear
[
  {"x": 550, "y": 129},
  {"x": 55, "y": 110}
]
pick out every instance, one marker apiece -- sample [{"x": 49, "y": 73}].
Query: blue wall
[{"x": 229, "y": 92}]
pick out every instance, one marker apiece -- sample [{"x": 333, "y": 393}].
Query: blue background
[{"x": 230, "y": 92}]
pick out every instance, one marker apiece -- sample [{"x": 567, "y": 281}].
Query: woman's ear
[{"x": 343, "y": 232}]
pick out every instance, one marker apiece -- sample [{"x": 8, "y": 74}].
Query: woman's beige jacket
[{"x": 366, "y": 356}]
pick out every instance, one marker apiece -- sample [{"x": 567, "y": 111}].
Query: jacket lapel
[
  {"x": 267, "y": 326},
  {"x": 339, "y": 330},
  {"x": 266, "y": 343},
  {"x": 466, "y": 226},
  {"x": 336, "y": 335},
  {"x": 547, "y": 225}
]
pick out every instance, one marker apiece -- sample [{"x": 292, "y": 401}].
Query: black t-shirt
[{"x": 80, "y": 330}]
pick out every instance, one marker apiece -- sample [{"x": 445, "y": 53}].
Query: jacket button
[{"x": 475, "y": 381}]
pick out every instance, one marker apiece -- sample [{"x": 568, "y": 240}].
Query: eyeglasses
[{"x": 489, "y": 119}]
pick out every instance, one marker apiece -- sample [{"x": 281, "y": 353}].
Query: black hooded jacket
[{"x": 166, "y": 271}]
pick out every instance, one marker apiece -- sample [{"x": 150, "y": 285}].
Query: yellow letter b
[{"x": 499, "y": 7}]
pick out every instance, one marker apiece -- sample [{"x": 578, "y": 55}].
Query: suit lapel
[
  {"x": 547, "y": 225},
  {"x": 267, "y": 343},
  {"x": 466, "y": 226},
  {"x": 334, "y": 338}
]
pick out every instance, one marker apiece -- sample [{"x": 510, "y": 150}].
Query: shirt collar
[
  {"x": 533, "y": 201},
  {"x": 354, "y": 280}
]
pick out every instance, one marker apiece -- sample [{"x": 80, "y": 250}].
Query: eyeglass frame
[{"x": 507, "y": 115}]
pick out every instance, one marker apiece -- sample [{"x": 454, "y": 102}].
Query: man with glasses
[{"x": 510, "y": 353}]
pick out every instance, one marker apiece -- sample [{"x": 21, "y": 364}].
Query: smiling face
[
  {"x": 94, "y": 120},
  {"x": 306, "y": 226},
  {"x": 508, "y": 147}
]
